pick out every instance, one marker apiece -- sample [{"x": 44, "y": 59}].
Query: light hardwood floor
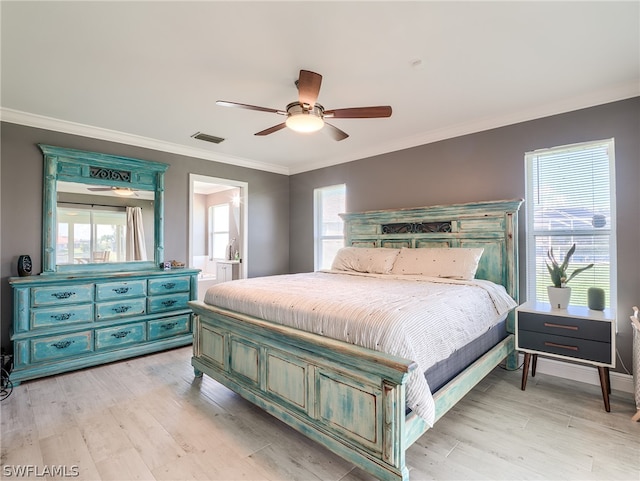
[{"x": 149, "y": 418}]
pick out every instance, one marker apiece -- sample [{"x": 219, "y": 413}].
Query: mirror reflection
[{"x": 102, "y": 224}]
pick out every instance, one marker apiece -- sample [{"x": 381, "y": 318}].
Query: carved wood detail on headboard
[{"x": 492, "y": 225}]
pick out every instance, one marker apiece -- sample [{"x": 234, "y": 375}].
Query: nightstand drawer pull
[
  {"x": 561, "y": 346},
  {"x": 561, "y": 326}
]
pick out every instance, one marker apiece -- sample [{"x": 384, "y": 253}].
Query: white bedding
[{"x": 417, "y": 318}]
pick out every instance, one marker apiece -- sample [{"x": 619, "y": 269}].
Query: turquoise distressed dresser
[
  {"x": 86, "y": 308},
  {"x": 62, "y": 323}
]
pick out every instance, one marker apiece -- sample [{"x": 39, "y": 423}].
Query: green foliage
[{"x": 558, "y": 271}]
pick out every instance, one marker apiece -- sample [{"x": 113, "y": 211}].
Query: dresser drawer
[
  {"x": 56, "y": 347},
  {"x": 123, "y": 308},
  {"x": 46, "y": 296},
  {"x": 61, "y": 315},
  {"x": 121, "y": 290},
  {"x": 565, "y": 326},
  {"x": 166, "y": 285},
  {"x": 565, "y": 346},
  {"x": 168, "y": 303},
  {"x": 120, "y": 335},
  {"x": 172, "y": 326}
]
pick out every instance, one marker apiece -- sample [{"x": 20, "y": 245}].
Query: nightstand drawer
[
  {"x": 565, "y": 326},
  {"x": 565, "y": 346}
]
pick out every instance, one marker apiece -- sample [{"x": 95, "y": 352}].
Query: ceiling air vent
[{"x": 207, "y": 138}]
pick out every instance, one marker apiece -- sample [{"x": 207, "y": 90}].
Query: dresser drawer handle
[
  {"x": 62, "y": 344},
  {"x": 561, "y": 346},
  {"x": 121, "y": 309},
  {"x": 121, "y": 290},
  {"x": 169, "y": 302},
  {"x": 561, "y": 326},
  {"x": 169, "y": 285},
  {"x": 62, "y": 317},
  {"x": 63, "y": 295},
  {"x": 169, "y": 325},
  {"x": 121, "y": 334}
]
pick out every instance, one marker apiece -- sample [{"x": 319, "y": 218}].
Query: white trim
[
  {"x": 244, "y": 216},
  {"x": 581, "y": 373},
  {"x": 57, "y": 125},
  {"x": 617, "y": 93},
  {"x": 620, "y": 92}
]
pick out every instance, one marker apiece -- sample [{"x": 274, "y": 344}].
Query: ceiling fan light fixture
[
  {"x": 304, "y": 122},
  {"x": 123, "y": 191}
]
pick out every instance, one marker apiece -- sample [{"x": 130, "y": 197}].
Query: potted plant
[{"x": 559, "y": 293}]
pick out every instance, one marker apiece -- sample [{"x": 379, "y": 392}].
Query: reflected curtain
[{"x": 136, "y": 250}]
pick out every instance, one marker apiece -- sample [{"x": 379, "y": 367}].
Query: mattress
[
  {"x": 446, "y": 369},
  {"x": 413, "y": 317}
]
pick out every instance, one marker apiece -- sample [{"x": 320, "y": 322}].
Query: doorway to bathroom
[{"x": 217, "y": 229}]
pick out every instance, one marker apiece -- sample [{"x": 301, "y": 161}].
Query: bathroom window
[
  {"x": 218, "y": 231},
  {"x": 329, "y": 227}
]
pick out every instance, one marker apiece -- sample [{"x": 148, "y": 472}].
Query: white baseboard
[{"x": 582, "y": 373}]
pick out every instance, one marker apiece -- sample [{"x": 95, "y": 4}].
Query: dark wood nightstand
[{"x": 576, "y": 333}]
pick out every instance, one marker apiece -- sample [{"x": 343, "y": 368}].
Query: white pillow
[
  {"x": 365, "y": 259},
  {"x": 453, "y": 263}
]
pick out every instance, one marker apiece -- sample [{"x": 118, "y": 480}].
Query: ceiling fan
[
  {"x": 306, "y": 115},
  {"x": 121, "y": 191}
]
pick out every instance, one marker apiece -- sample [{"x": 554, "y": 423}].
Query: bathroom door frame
[{"x": 244, "y": 225}]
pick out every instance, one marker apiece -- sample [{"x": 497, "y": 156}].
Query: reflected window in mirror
[{"x": 88, "y": 234}]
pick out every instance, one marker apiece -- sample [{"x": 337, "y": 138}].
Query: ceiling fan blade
[
  {"x": 224, "y": 103},
  {"x": 309, "y": 87},
  {"x": 335, "y": 132},
  {"x": 359, "y": 113},
  {"x": 99, "y": 189},
  {"x": 273, "y": 129}
]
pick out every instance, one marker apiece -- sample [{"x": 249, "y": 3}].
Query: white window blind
[
  {"x": 571, "y": 199},
  {"x": 328, "y": 226}
]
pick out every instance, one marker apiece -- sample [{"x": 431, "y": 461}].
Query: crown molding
[
  {"x": 57, "y": 125},
  {"x": 621, "y": 92}
]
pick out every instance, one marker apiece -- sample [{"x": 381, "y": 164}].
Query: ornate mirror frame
[{"x": 99, "y": 169}]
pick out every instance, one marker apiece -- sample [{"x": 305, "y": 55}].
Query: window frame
[{"x": 532, "y": 233}]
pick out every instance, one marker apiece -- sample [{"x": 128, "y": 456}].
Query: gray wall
[
  {"x": 488, "y": 166},
  {"x": 21, "y": 204}
]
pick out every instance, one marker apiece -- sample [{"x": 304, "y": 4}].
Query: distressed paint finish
[
  {"x": 76, "y": 166},
  {"x": 61, "y": 323},
  {"x": 355, "y": 396}
]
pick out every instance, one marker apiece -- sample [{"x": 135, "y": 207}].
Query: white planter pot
[{"x": 559, "y": 297}]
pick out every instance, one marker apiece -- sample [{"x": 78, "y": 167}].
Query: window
[
  {"x": 218, "y": 231},
  {"x": 328, "y": 225},
  {"x": 571, "y": 199},
  {"x": 90, "y": 234}
]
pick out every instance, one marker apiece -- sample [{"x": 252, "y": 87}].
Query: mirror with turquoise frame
[{"x": 75, "y": 186}]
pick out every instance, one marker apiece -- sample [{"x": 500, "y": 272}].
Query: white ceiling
[{"x": 149, "y": 73}]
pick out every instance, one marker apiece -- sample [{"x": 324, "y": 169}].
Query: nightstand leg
[
  {"x": 525, "y": 370},
  {"x": 605, "y": 385},
  {"x": 534, "y": 364}
]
